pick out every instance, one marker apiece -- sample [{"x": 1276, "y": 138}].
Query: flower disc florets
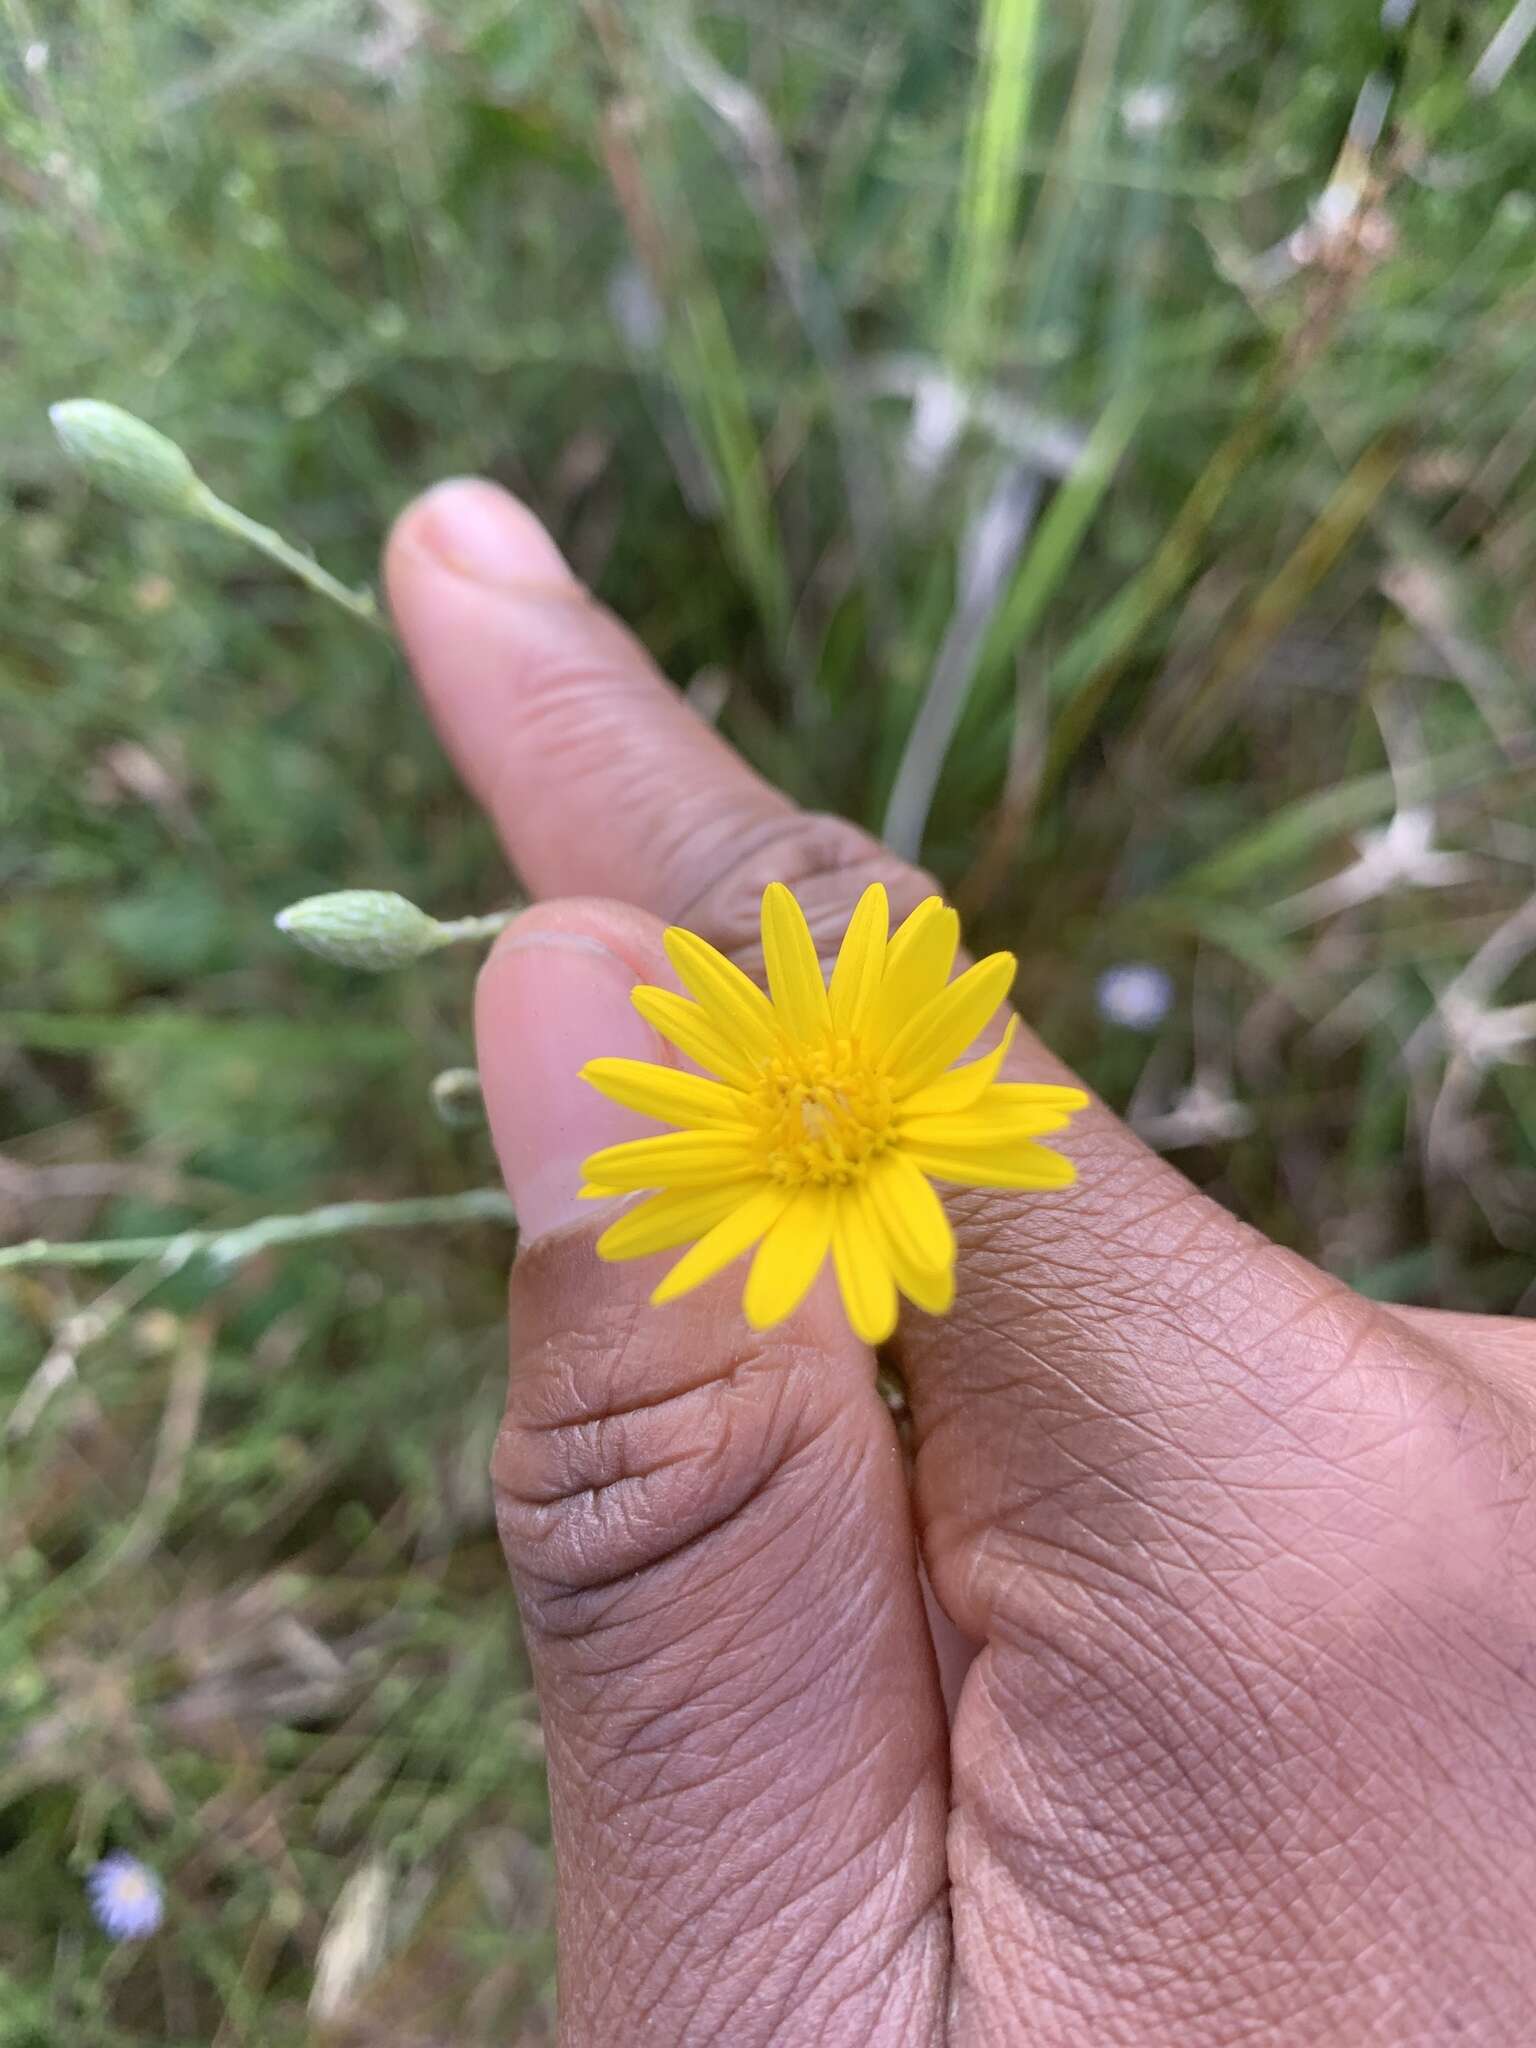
[
  {"x": 826, "y": 1112},
  {"x": 822, "y": 1114}
]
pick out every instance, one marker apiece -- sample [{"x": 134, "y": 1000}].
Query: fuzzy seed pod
[
  {"x": 372, "y": 929},
  {"x": 126, "y": 458}
]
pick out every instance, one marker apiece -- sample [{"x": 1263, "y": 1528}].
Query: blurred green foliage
[{"x": 764, "y": 363}]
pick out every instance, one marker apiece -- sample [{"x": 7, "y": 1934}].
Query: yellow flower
[{"x": 831, "y": 1110}]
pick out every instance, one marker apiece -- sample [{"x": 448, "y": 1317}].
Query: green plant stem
[
  {"x": 360, "y": 603},
  {"x": 458, "y": 931},
  {"x": 232, "y": 1247}
]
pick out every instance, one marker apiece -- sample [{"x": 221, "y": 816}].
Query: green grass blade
[
  {"x": 993, "y": 174},
  {"x": 1061, "y": 532}
]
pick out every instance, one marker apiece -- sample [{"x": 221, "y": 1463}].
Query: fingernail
[
  {"x": 481, "y": 531},
  {"x": 549, "y": 1001}
]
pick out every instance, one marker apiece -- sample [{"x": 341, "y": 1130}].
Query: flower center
[{"x": 824, "y": 1113}]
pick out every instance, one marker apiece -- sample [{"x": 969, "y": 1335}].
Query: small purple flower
[
  {"x": 1136, "y": 996},
  {"x": 126, "y": 1896}
]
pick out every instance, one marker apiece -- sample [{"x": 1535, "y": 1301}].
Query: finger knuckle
[
  {"x": 827, "y": 861},
  {"x": 620, "y": 1457}
]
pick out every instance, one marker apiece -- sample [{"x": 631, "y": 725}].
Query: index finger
[{"x": 597, "y": 776}]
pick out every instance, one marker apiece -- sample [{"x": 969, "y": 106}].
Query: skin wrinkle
[
  {"x": 997, "y": 1252},
  {"x": 639, "y": 1619},
  {"x": 1227, "y": 1651},
  {"x": 1033, "y": 1356},
  {"x": 894, "y": 1985},
  {"x": 1127, "y": 1747},
  {"x": 776, "y": 1870},
  {"x": 663, "y": 1723},
  {"x": 640, "y": 1598},
  {"x": 682, "y": 1745},
  {"x": 1335, "y": 1915},
  {"x": 664, "y": 1604},
  {"x": 1077, "y": 1921},
  {"x": 992, "y": 1512},
  {"x": 784, "y": 1875},
  {"x": 1180, "y": 1596},
  {"x": 534, "y": 1509},
  {"x": 891, "y": 2000},
  {"x": 561, "y": 1607},
  {"x": 1102, "y": 1971},
  {"x": 804, "y": 1887},
  {"x": 733, "y": 1905},
  {"x": 863, "y": 1957},
  {"x": 707, "y": 1462},
  {"x": 1223, "y": 2037},
  {"x": 923, "y": 1925},
  {"x": 740, "y": 1885},
  {"x": 777, "y": 1876},
  {"x": 579, "y": 722},
  {"x": 731, "y": 1373},
  {"x": 861, "y": 1756},
  {"x": 826, "y": 861},
  {"x": 549, "y": 1399},
  {"x": 1201, "y": 1711},
  {"x": 1094, "y": 1410},
  {"x": 1312, "y": 1654},
  {"x": 771, "y": 1670},
  {"x": 620, "y": 1581},
  {"x": 641, "y": 1791},
  {"x": 1252, "y": 1500}
]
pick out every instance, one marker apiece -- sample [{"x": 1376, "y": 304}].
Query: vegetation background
[{"x": 1097, "y": 442}]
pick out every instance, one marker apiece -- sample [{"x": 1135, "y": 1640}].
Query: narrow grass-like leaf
[{"x": 988, "y": 204}]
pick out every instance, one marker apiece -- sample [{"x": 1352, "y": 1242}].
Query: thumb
[{"x": 709, "y": 1535}]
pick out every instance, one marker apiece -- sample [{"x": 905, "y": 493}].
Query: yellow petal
[
  {"x": 863, "y": 1271},
  {"x": 664, "y": 1092},
  {"x": 1022, "y": 1166},
  {"x": 789, "y": 1258},
  {"x": 965, "y": 1085},
  {"x": 736, "y": 1007},
  {"x": 682, "y": 1159},
  {"x": 1030, "y": 1094},
  {"x": 733, "y": 1235},
  {"x": 944, "y": 1027},
  {"x": 919, "y": 1244},
  {"x": 662, "y": 1221},
  {"x": 794, "y": 972},
  {"x": 687, "y": 1026},
  {"x": 931, "y": 1290},
  {"x": 910, "y": 1213},
  {"x": 860, "y": 962},
  {"x": 982, "y": 1129},
  {"x": 917, "y": 964}
]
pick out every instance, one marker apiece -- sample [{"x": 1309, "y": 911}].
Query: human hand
[{"x": 1233, "y": 1572}]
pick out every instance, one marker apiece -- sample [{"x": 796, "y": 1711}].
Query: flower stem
[
  {"x": 456, "y": 931},
  {"x": 228, "y": 1248},
  {"x": 360, "y": 603}
]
